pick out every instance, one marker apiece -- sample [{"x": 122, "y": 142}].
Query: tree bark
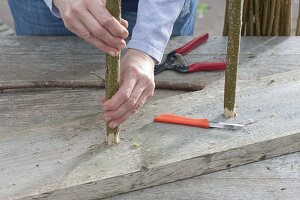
[
  {"x": 272, "y": 17},
  {"x": 234, "y": 37},
  {"x": 97, "y": 84},
  {"x": 225, "y": 27},
  {"x": 250, "y": 22},
  {"x": 257, "y": 18},
  {"x": 298, "y": 23},
  {"x": 288, "y": 17},
  {"x": 265, "y": 18},
  {"x": 265, "y": 15},
  {"x": 112, "y": 72}
]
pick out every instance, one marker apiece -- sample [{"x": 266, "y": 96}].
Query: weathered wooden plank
[
  {"x": 277, "y": 178},
  {"x": 45, "y": 58},
  {"x": 64, "y": 156}
]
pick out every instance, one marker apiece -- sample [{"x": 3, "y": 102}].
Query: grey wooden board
[
  {"x": 276, "y": 178},
  {"x": 44, "y": 58},
  {"x": 52, "y": 144}
]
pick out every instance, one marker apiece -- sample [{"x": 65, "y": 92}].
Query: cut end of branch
[
  {"x": 229, "y": 113},
  {"x": 113, "y": 138}
]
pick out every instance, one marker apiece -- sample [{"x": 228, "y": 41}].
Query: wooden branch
[
  {"x": 288, "y": 17},
  {"x": 298, "y": 23},
  {"x": 257, "y": 18},
  {"x": 112, "y": 72},
  {"x": 250, "y": 22},
  {"x": 272, "y": 17},
  {"x": 233, "y": 49},
  {"x": 265, "y": 17},
  {"x": 245, "y": 16},
  {"x": 97, "y": 84},
  {"x": 225, "y": 27},
  {"x": 277, "y": 19}
]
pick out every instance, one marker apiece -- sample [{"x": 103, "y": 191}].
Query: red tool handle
[
  {"x": 191, "y": 45},
  {"x": 175, "y": 119},
  {"x": 207, "y": 66}
]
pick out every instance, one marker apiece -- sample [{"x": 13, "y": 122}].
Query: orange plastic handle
[{"x": 175, "y": 119}]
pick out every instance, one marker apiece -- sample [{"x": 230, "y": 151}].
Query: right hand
[{"x": 90, "y": 20}]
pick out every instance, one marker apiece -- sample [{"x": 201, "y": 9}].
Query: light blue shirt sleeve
[
  {"x": 53, "y": 9},
  {"x": 154, "y": 25}
]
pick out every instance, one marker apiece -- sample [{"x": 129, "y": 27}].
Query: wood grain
[
  {"x": 277, "y": 178},
  {"x": 53, "y": 146},
  {"x": 44, "y": 58},
  {"x": 52, "y": 143}
]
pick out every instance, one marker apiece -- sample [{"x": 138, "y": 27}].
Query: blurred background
[{"x": 210, "y": 16}]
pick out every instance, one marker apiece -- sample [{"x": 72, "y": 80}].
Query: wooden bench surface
[{"x": 68, "y": 115}]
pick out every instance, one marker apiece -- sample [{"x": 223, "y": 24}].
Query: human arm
[
  {"x": 91, "y": 21},
  {"x": 149, "y": 39}
]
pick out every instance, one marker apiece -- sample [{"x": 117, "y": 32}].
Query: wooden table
[{"x": 68, "y": 58}]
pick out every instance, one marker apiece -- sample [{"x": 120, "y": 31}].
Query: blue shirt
[{"x": 154, "y": 24}]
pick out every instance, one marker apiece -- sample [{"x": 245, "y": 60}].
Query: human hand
[
  {"x": 91, "y": 21},
  {"x": 136, "y": 86}
]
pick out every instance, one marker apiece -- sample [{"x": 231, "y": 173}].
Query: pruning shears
[
  {"x": 176, "y": 61},
  {"x": 198, "y": 122}
]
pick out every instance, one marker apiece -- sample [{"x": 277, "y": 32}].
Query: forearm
[{"x": 154, "y": 26}]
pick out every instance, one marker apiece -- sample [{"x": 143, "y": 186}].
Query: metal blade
[{"x": 225, "y": 125}]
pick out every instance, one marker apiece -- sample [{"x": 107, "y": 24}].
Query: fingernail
[
  {"x": 124, "y": 34},
  {"x": 114, "y": 125},
  {"x": 104, "y": 108},
  {"x": 121, "y": 46},
  {"x": 112, "y": 53},
  {"x": 106, "y": 118}
]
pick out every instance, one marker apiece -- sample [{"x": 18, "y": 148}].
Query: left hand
[{"x": 136, "y": 86}]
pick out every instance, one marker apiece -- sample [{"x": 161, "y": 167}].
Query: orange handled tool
[{"x": 198, "y": 122}]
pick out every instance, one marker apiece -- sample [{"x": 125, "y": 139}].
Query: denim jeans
[{"x": 33, "y": 17}]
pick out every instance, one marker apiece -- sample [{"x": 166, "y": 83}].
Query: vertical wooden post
[
  {"x": 298, "y": 23},
  {"x": 112, "y": 72},
  {"x": 288, "y": 17},
  {"x": 233, "y": 49},
  {"x": 225, "y": 27}
]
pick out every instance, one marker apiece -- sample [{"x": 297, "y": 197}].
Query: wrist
[{"x": 143, "y": 55}]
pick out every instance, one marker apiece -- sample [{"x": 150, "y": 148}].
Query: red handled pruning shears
[{"x": 175, "y": 60}]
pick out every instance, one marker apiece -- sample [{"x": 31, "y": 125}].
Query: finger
[
  {"x": 79, "y": 29},
  {"x": 124, "y": 23},
  {"x": 107, "y": 20},
  {"x": 103, "y": 99},
  {"x": 141, "y": 101},
  {"x": 127, "y": 105},
  {"x": 121, "y": 95},
  {"x": 100, "y": 32}
]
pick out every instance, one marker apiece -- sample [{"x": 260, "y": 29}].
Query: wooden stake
[
  {"x": 298, "y": 23},
  {"x": 277, "y": 19},
  {"x": 265, "y": 17},
  {"x": 272, "y": 16},
  {"x": 288, "y": 17},
  {"x": 250, "y": 22},
  {"x": 225, "y": 27},
  {"x": 112, "y": 72},
  {"x": 233, "y": 49},
  {"x": 257, "y": 18},
  {"x": 245, "y": 16}
]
